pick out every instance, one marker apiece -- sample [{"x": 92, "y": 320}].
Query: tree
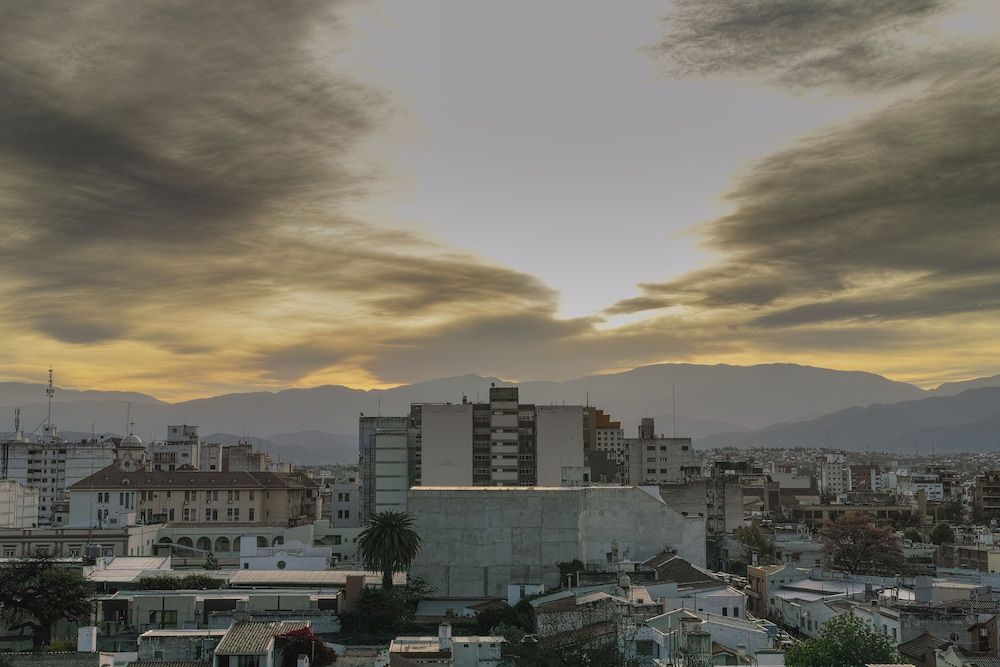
[
  {"x": 754, "y": 540},
  {"x": 304, "y": 642},
  {"x": 569, "y": 568},
  {"x": 388, "y": 544},
  {"x": 844, "y": 641},
  {"x": 855, "y": 545},
  {"x": 943, "y": 534},
  {"x": 913, "y": 535},
  {"x": 519, "y": 616},
  {"x": 37, "y": 592},
  {"x": 384, "y": 612},
  {"x": 211, "y": 562}
]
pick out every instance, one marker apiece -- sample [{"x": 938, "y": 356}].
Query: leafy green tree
[
  {"x": 519, "y": 616},
  {"x": 37, "y": 592},
  {"x": 854, "y": 544},
  {"x": 165, "y": 582},
  {"x": 388, "y": 544},
  {"x": 913, "y": 535},
  {"x": 569, "y": 568},
  {"x": 844, "y": 641},
  {"x": 381, "y": 612},
  {"x": 943, "y": 534},
  {"x": 754, "y": 540},
  {"x": 211, "y": 562}
]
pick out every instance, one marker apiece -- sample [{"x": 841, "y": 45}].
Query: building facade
[
  {"x": 18, "y": 505},
  {"x": 654, "y": 459},
  {"x": 114, "y": 497}
]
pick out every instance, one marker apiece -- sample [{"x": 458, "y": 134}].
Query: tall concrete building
[
  {"x": 835, "y": 474},
  {"x": 384, "y": 463},
  {"x": 52, "y": 465},
  {"x": 656, "y": 459},
  {"x": 500, "y": 443}
]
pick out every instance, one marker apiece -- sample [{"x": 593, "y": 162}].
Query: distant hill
[
  {"x": 322, "y": 421},
  {"x": 969, "y": 421}
]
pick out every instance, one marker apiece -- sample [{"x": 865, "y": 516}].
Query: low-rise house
[
  {"x": 252, "y": 643},
  {"x": 665, "y": 637},
  {"x": 292, "y": 555},
  {"x": 179, "y": 645},
  {"x": 445, "y": 649}
]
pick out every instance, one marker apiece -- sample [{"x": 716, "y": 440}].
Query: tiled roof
[
  {"x": 253, "y": 638},
  {"x": 918, "y": 647},
  {"x": 114, "y": 478}
]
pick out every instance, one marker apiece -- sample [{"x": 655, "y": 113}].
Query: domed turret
[{"x": 131, "y": 440}]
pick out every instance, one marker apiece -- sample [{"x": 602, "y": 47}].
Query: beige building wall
[
  {"x": 446, "y": 445},
  {"x": 559, "y": 438}
]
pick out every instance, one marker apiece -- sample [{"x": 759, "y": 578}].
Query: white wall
[
  {"x": 392, "y": 475},
  {"x": 559, "y": 436},
  {"x": 446, "y": 445}
]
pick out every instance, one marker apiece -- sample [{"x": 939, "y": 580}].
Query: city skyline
[{"x": 203, "y": 199}]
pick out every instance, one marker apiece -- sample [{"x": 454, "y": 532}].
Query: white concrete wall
[
  {"x": 18, "y": 505},
  {"x": 477, "y": 541},
  {"x": 392, "y": 475},
  {"x": 559, "y": 437},
  {"x": 446, "y": 445}
]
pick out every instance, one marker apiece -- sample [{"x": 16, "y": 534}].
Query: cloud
[
  {"x": 173, "y": 175},
  {"x": 797, "y": 42}
]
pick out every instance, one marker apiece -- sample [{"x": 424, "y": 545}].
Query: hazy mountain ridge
[
  {"x": 969, "y": 421},
  {"x": 322, "y": 421}
]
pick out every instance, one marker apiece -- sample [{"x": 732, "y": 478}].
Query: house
[
  {"x": 252, "y": 644},
  {"x": 464, "y": 651}
]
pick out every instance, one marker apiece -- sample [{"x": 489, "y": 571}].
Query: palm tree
[{"x": 388, "y": 544}]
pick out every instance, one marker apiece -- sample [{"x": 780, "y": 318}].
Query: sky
[{"x": 198, "y": 198}]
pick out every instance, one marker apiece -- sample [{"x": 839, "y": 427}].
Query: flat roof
[{"x": 184, "y": 633}]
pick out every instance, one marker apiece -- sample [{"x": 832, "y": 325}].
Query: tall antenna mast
[
  {"x": 17, "y": 421},
  {"x": 673, "y": 406},
  {"x": 128, "y": 418},
  {"x": 50, "y": 391}
]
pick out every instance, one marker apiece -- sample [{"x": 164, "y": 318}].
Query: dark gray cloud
[
  {"x": 891, "y": 217},
  {"x": 894, "y": 216},
  {"x": 797, "y": 42},
  {"x": 164, "y": 162}
]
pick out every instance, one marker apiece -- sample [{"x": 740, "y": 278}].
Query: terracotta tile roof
[
  {"x": 254, "y": 638},
  {"x": 918, "y": 647}
]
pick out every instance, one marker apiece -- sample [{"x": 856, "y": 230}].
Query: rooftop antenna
[
  {"x": 673, "y": 407},
  {"x": 379, "y": 407},
  {"x": 17, "y": 421},
  {"x": 128, "y": 417},
  {"x": 50, "y": 391}
]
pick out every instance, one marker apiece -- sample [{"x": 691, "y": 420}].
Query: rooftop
[
  {"x": 114, "y": 478},
  {"x": 252, "y": 638}
]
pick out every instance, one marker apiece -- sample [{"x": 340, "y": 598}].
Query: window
[
  {"x": 725, "y": 611},
  {"x": 251, "y": 514},
  {"x": 208, "y": 514},
  {"x": 8, "y": 552},
  {"x": 170, "y": 514}
]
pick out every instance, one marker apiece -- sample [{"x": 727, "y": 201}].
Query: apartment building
[
  {"x": 114, "y": 497},
  {"x": 384, "y": 463},
  {"x": 72, "y": 542},
  {"x": 500, "y": 443},
  {"x": 986, "y": 495},
  {"x": 656, "y": 459},
  {"x": 835, "y": 474},
  {"x": 52, "y": 465},
  {"x": 18, "y": 505}
]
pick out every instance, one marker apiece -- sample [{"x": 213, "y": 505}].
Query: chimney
[
  {"x": 699, "y": 647},
  {"x": 352, "y": 590},
  {"x": 241, "y": 614},
  {"x": 86, "y": 639},
  {"x": 444, "y": 636}
]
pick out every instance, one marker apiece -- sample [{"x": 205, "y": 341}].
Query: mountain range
[{"x": 716, "y": 404}]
